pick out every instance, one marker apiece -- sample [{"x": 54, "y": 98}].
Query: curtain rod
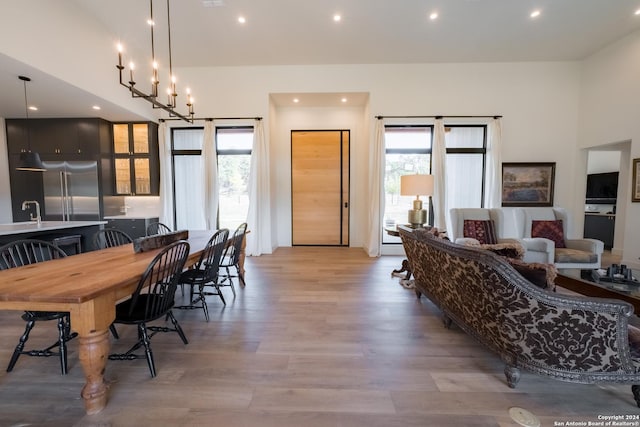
[
  {"x": 436, "y": 117},
  {"x": 210, "y": 119}
]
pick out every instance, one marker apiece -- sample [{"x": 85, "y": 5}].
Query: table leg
[
  {"x": 404, "y": 268},
  {"x": 94, "y": 351}
]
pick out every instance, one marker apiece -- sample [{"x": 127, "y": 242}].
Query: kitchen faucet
[{"x": 26, "y": 203}]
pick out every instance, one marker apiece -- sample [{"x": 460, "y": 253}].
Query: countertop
[
  {"x": 32, "y": 227},
  {"x": 131, "y": 217}
]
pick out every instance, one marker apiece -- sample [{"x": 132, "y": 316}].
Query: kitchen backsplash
[{"x": 141, "y": 206}]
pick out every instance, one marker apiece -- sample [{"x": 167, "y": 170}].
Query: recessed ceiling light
[
  {"x": 33, "y": 108},
  {"x": 343, "y": 100},
  {"x": 433, "y": 16},
  {"x": 296, "y": 100},
  {"x": 637, "y": 12},
  {"x": 535, "y": 14},
  {"x": 242, "y": 19},
  {"x": 212, "y": 3},
  {"x": 337, "y": 18},
  {"x": 96, "y": 107}
]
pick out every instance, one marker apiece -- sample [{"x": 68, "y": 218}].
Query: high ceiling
[
  {"x": 302, "y": 32},
  {"x": 288, "y": 32}
]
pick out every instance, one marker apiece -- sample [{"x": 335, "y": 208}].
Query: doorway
[{"x": 320, "y": 187}]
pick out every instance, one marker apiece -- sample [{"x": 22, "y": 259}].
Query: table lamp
[{"x": 418, "y": 184}]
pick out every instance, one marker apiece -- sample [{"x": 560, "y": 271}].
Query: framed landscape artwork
[
  {"x": 528, "y": 184},
  {"x": 635, "y": 190}
]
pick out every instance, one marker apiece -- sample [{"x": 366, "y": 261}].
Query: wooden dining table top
[{"x": 83, "y": 277}]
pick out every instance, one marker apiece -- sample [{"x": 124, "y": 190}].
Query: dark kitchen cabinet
[
  {"x": 601, "y": 227},
  {"x": 135, "y": 159},
  {"x": 54, "y": 139},
  {"x": 134, "y": 227}
]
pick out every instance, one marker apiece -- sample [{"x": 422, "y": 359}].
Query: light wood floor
[{"x": 319, "y": 337}]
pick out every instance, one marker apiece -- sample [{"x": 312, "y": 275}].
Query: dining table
[{"x": 88, "y": 286}]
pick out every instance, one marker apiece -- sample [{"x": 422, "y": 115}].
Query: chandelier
[{"x": 152, "y": 95}]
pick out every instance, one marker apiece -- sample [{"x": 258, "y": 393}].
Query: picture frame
[
  {"x": 528, "y": 184},
  {"x": 635, "y": 189}
]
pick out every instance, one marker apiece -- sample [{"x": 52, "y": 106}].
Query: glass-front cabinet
[{"x": 135, "y": 151}]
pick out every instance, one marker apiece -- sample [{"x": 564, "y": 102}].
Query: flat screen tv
[{"x": 603, "y": 186}]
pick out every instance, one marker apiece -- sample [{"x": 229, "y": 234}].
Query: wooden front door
[{"x": 320, "y": 187}]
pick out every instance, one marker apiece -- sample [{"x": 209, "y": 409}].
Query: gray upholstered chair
[{"x": 532, "y": 223}]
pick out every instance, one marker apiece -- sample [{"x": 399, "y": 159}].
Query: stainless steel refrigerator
[{"x": 71, "y": 191}]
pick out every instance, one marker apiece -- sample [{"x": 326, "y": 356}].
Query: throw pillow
[
  {"x": 551, "y": 230},
  {"x": 483, "y": 231},
  {"x": 541, "y": 275}
]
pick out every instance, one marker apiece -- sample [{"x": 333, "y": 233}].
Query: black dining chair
[
  {"x": 203, "y": 277},
  {"x": 231, "y": 259},
  {"x": 26, "y": 252},
  {"x": 157, "y": 228},
  {"x": 153, "y": 299},
  {"x": 110, "y": 237}
]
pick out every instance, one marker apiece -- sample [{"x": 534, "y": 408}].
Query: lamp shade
[
  {"x": 30, "y": 161},
  {"x": 416, "y": 185}
]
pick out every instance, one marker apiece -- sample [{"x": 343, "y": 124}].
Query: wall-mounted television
[{"x": 602, "y": 187}]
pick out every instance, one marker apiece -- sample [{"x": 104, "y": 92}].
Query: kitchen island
[{"x": 49, "y": 230}]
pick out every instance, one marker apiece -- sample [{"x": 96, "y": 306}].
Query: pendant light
[{"x": 29, "y": 161}]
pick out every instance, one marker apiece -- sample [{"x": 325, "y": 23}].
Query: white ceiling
[{"x": 287, "y": 32}]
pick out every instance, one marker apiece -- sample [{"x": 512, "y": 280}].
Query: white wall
[
  {"x": 539, "y": 102},
  {"x": 609, "y": 111}
]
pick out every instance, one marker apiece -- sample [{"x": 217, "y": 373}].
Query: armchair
[
  {"x": 544, "y": 233},
  {"x": 457, "y": 216}
]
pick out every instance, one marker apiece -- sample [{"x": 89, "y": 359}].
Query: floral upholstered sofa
[{"x": 569, "y": 338}]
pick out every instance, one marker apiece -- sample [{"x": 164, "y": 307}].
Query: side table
[{"x": 404, "y": 272}]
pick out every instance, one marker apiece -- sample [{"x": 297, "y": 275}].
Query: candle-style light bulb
[
  {"x": 132, "y": 67},
  {"x": 120, "y": 49}
]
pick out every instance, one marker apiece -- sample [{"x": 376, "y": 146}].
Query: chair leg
[
  {"x": 240, "y": 276},
  {"x": 177, "y": 327},
  {"x": 20, "y": 347},
  {"x": 220, "y": 295},
  {"x": 62, "y": 344},
  {"x": 142, "y": 332},
  {"x": 204, "y": 303},
  {"x": 114, "y": 331}
]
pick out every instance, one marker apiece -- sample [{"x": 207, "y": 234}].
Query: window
[
  {"x": 233, "y": 148},
  {"x": 408, "y": 151},
  {"x": 234, "y": 163},
  {"x": 188, "y": 183}
]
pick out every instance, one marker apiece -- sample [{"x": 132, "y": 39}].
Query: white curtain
[
  {"x": 376, "y": 191},
  {"x": 438, "y": 165},
  {"x": 210, "y": 171},
  {"x": 259, "y": 216},
  {"x": 493, "y": 191},
  {"x": 166, "y": 193}
]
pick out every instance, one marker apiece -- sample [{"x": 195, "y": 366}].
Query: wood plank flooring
[{"x": 319, "y": 337}]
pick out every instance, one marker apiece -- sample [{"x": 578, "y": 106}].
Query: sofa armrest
[{"x": 587, "y": 245}]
